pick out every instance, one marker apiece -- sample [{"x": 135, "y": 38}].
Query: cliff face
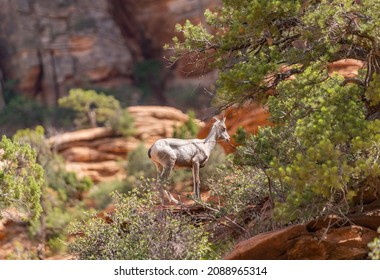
[{"x": 49, "y": 46}]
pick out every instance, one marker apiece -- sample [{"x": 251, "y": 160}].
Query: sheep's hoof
[
  {"x": 197, "y": 198},
  {"x": 177, "y": 202}
]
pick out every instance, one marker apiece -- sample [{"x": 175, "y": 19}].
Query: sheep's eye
[{"x": 223, "y": 129}]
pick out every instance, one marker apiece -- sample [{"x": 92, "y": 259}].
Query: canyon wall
[{"x": 49, "y": 46}]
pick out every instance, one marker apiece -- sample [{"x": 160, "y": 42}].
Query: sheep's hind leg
[
  {"x": 164, "y": 177},
  {"x": 160, "y": 182}
]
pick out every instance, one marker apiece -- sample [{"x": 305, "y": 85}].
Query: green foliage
[
  {"x": 67, "y": 185},
  {"x": 101, "y": 195},
  {"x": 83, "y": 101},
  {"x": 139, "y": 164},
  {"x": 255, "y": 39},
  {"x": 373, "y": 92},
  {"x": 187, "y": 130},
  {"x": 21, "y": 112},
  {"x": 139, "y": 230},
  {"x": 122, "y": 122},
  {"x": 240, "y": 136},
  {"x": 107, "y": 109},
  {"x": 237, "y": 187},
  {"x": 149, "y": 76},
  {"x": 21, "y": 178},
  {"x": 374, "y": 246},
  {"x": 61, "y": 191},
  {"x": 324, "y": 143},
  {"x": 124, "y": 93},
  {"x": 217, "y": 160}
]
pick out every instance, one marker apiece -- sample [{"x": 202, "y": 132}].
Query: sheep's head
[{"x": 221, "y": 129}]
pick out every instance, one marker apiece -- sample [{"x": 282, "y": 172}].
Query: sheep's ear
[
  {"x": 216, "y": 119},
  {"x": 224, "y": 120}
]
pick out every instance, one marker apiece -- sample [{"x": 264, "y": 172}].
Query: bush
[
  {"x": 122, "y": 122},
  {"x": 56, "y": 177},
  {"x": 139, "y": 164},
  {"x": 61, "y": 191},
  {"x": 236, "y": 192},
  {"x": 94, "y": 109},
  {"x": 84, "y": 101},
  {"x": 320, "y": 151},
  {"x": 374, "y": 247},
  {"x": 187, "y": 130},
  {"x": 21, "y": 112},
  {"x": 101, "y": 195},
  {"x": 139, "y": 230},
  {"x": 217, "y": 159},
  {"x": 21, "y": 177}
]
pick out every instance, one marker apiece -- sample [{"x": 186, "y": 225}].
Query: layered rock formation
[
  {"x": 49, "y": 46},
  {"x": 97, "y": 152}
]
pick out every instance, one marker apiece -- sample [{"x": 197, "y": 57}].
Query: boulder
[
  {"x": 322, "y": 239},
  {"x": 268, "y": 246}
]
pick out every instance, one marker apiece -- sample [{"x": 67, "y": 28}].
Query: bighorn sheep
[{"x": 192, "y": 153}]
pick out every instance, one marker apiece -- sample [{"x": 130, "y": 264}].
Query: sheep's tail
[{"x": 149, "y": 152}]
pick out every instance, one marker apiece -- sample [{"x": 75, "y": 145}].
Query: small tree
[
  {"x": 21, "y": 178},
  {"x": 324, "y": 143},
  {"x": 85, "y": 102},
  {"x": 94, "y": 109},
  {"x": 60, "y": 191}
]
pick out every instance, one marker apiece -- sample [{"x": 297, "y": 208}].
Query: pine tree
[{"x": 324, "y": 145}]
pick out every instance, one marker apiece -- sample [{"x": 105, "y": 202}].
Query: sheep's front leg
[{"x": 196, "y": 180}]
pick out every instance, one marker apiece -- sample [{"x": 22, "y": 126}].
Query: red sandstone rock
[
  {"x": 296, "y": 242},
  {"x": 268, "y": 246}
]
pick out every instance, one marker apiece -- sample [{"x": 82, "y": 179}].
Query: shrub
[
  {"x": 374, "y": 247},
  {"x": 216, "y": 160},
  {"x": 21, "y": 112},
  {"x": 321, "y": 148},
  {"x": 122, "y": 122},
  {"x": 139, "y": 164},
  {"x": 56, "y": 177},
  {"x": 83, "y": 101},
  {"x": 187, "y": 130},
  {"x": 21, "y": 178},
  {"x": 238, "y": 192},
  {"x": 91, "y": 106},
  {"x": 61, "y": 191},
  {"x": 139, "y": 230},
  {"x": 101, "y": 195}
]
